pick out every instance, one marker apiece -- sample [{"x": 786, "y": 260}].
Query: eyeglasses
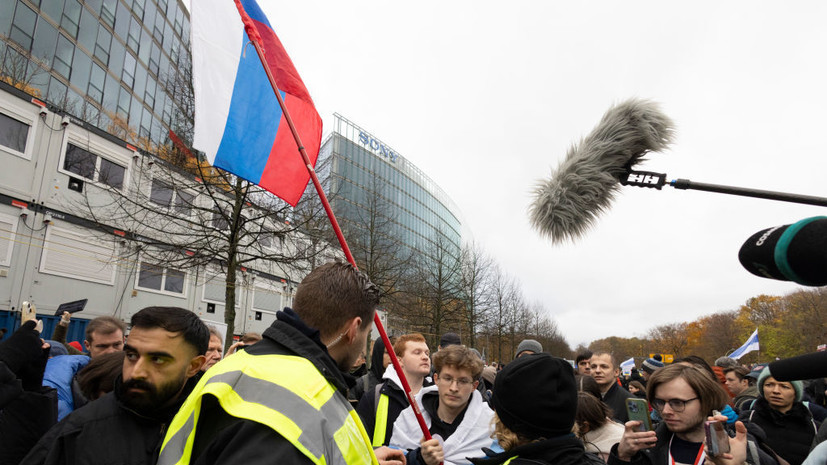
[
  {"x": 677, "y": 405},
  {"x": 449, "y": 380}
]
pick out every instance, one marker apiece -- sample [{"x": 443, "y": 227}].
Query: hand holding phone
[
  {"x": 638, "y": 410},
  {"x": 29, "y": 312},
  {"x": 717, "y": 439}
]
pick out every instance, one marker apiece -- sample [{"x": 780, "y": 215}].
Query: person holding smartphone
[{"x": 685, "y": 397}]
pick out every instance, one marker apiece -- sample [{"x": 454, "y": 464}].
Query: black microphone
[
  {"x": 807, "y": 366},
  {"x": 792, "y": 252},
  {"x": 584, "y": 184}
]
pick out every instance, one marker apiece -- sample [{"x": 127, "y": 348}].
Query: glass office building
[
  {"x": 365, "y": 171},
  {"x": 111, "y": 63}
]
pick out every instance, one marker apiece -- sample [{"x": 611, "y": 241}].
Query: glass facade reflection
[
  {"x": 364, "y": 169},
  {"x": 102, "y": 61}
]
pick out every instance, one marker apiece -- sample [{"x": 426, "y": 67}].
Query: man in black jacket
[
  {"x": 164, "y": 350},
  {"x": 604, "y": 370},
  {"x": 284, "y": 400}
]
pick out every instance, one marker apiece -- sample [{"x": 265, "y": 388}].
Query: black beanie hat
[{"x": 535, "y": 396}]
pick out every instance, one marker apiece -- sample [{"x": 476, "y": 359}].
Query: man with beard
[{"x": 163, "y": 351}]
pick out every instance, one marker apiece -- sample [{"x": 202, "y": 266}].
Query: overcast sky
[{"x": 486, "y": 97}]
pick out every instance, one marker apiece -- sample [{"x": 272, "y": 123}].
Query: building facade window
[
  {"x": 161, "y": 279},
  {"x": 8, "y": 229},
  {"x": 133, "y": 40},
  {"x": 138, "y": 8},
  {"x": 62, "y": 63},
  {"x": 70, "y": 20},
  {"x": 219, "y": 221},
  {"x": 128, "y": 76},
  {"x": 214, "y": 289},
  {"x": 77, "y": 253},
  {"x": 45, "y": 40},
  {"x": 88, "y": 165},
  {"x": 108, "y": 12},
  {"x": 96, "y": 83},
  {"x": 22, "y": 27},
  {"x": 165, "y": 195},
  {"x": 161, "y": 193},
  {"x": 14, "y": 134},
  {"x": 103, "y": 44}
]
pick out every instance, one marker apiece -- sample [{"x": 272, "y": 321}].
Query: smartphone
[
  {"x": 71, "y": 307},
  {"x": 638, "y": 410},
  {"x": 27, "y": 312},
  {"x": 717, "y": 439}
]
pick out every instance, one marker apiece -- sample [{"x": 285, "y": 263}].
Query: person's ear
[
  {"x": 353, "y": 329},
  {"x": 195, "y": 365}
]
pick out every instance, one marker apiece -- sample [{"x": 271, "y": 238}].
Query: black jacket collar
[{"x": 297, "y": 338}]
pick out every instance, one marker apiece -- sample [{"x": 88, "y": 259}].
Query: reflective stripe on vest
[
  {"x": 380, "y": 426},
  {"x": 286, "y": 393},
  {"x": 509, "y": 460}
]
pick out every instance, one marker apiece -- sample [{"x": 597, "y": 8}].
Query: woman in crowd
[
  {"x": 595, "y": 426},
  {"x": 636, "y": 388},
  {"x": 789, "y": 426},
  {"x": 535, "y": 400}
]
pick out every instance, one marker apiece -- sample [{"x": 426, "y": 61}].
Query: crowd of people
[{"x": 166, "y": 393}]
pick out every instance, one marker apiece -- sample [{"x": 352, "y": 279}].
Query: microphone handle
[{"x": 747, "y": 192}]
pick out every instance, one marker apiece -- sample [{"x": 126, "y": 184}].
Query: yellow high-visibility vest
[
  {"x": 380, "y": 426},
  {"x": 284, "y": 392}
]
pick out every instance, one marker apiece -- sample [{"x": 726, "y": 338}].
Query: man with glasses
[
  {"x": 684, "y": 396},
  {"x": 456, "y": 416}
]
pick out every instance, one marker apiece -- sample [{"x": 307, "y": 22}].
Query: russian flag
[{"x": 238, "y": 121}]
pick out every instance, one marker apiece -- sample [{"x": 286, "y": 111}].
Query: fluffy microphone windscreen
[
  {"x": 806, "y": 366},
  {"x": 796, "y": 252},
  {"x": 584, "y": 184}
]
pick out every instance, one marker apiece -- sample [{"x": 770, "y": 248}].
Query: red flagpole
[{"x": 255, "y": 39}]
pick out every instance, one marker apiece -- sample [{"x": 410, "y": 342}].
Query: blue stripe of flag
[{"x": 253, "y": 119}]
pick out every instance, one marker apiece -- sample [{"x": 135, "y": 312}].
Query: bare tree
[
  {"x": 372, "y": 232},
  {"x": 505, "y": 300},
  {"x": 475, "y": 288},
  {"x": 189, "y": 217},
  {"x": 434, "y": 297},
  {"x": 545, "y": 330},
  {"x": 371, "y": 229}
]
